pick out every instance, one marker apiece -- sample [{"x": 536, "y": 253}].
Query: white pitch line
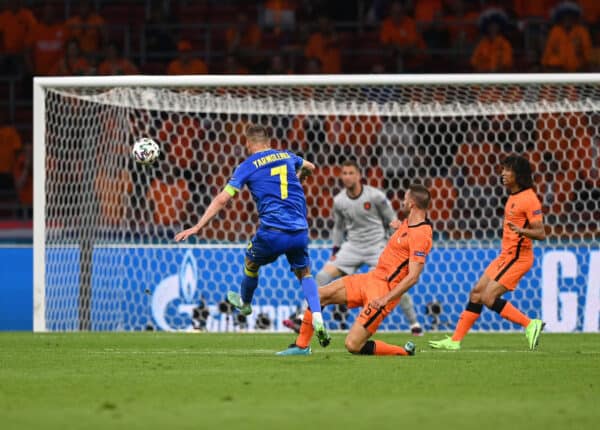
[
  {"x": 506, "y": 351},
  {"x": 319, "y": 351},
  {"x": 188, "y": 352}
]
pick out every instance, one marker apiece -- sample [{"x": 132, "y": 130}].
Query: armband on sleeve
[{"x": 231, "y": 190}]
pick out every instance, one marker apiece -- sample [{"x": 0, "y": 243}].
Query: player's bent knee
[
  {"x": 353, "y": 346},
  {"x": 475, "y": 297},
  {"x": 251, "y": 265},
  {"x": 488, "y": 300},
  {"x": 480, "y": 286},
  {"x": 488, "y": 297},
  {"x": 302, "y": 273}
]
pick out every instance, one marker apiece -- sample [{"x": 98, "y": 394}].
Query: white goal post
[{"x": 103, "y": 255}]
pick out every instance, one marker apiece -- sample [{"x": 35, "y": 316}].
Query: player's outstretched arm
[
  {"x": 414, "y": 272},
  {"x": 215, "y": 206},
  {"x": 537, "y": 230}
]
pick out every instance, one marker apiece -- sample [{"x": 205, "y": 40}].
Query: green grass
[{"x": 226, "y": 381}]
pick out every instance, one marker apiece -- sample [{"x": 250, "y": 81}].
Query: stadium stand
[{"x": 285, "y": 37}]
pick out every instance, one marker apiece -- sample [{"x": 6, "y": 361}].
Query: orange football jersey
[
  {"x": 522, "y": 209},
  {"x": 408, "y": 243}
]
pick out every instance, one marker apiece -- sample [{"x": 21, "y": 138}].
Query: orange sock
[
  {"x": 466, "y": 321},
  {"x": 382, "y": 348},
  {"x": 513, "y": 314},
  {"x": 306, "y": 330}
]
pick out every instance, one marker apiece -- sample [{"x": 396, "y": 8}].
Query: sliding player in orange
[
  {"x": 523, "y": 222},
  {"x": 379, "y": 291}
]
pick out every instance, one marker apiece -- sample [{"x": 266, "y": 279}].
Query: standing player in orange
[
  {"x": 523, "y": 222},
  {"x": 379, "y": 291}
]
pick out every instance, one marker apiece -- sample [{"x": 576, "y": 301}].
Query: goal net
[{"x": 105, "y": 258}]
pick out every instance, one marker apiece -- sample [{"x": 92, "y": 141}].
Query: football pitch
[{"x": 226, "y": 381}]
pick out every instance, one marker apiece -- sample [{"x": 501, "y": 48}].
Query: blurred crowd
[{"x": 105, "y": 37}]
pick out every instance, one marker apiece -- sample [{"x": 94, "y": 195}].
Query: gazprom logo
[
  {"x": 188, "y": 277},
  {"x": 180, "y": 287}
]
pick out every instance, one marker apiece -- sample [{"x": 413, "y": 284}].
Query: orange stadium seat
[
  {"x": 528, "y": 8},
  {"x": 320, "y": 205},
  {"x": 478, "y": 162},
  {"x": 492, "y": 94},
  {"x": 237, "y": 222},
  {"x": 443, "y": 199},
  {"x": 210, "y": 231},
  {"x": 296, "y": 132},
  {"x": 324, "y": 177},
  {"x": 352, "y": 130},
  {"x": 320, "y": 188},
  {"x": 557, "y": 193},
  {"x": 396, "y": 205},
  {"x": 585, "y": 160},
  {"x": 375, "y": 177},
  {"x": 553, "y": 142},
  {"x": 169, "y": 201},
  {"x": 248, "y": 217},
  {"x": 582, "y": 152}
]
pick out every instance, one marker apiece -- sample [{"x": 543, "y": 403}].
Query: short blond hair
[{"x": 256, "y": 131}]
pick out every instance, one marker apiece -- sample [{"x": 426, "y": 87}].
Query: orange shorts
[
  {"x": 360, "y": 290},
  {"x": 507, "y": 269}
]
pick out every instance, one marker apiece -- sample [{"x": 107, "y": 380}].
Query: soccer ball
[{"x": 145, "y": 151}]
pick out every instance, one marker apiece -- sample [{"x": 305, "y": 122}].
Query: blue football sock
[
  {"x": 311, "y": 293},
  {"x": 249, "y": 284}
]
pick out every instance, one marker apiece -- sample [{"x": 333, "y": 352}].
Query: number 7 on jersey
[{"x": 282, "y": 172}]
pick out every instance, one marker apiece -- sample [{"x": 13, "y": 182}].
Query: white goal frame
[{"x": 40, "y": 84}]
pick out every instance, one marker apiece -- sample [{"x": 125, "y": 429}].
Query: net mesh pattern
[{"x": 110, "y": 254}]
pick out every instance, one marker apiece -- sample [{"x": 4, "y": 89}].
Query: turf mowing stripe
[{"x": 326, "y": 351}]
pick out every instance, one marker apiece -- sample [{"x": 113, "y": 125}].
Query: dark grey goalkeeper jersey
[{"x": 364, "y": 220}]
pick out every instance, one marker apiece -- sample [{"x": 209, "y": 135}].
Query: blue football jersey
[{"x": 271, "y": 177}]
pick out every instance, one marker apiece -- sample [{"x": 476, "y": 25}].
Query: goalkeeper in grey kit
[{"x": 363, "y": 216}]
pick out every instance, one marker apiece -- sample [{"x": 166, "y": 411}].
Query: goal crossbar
[{"x": 315, "y": 80}]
